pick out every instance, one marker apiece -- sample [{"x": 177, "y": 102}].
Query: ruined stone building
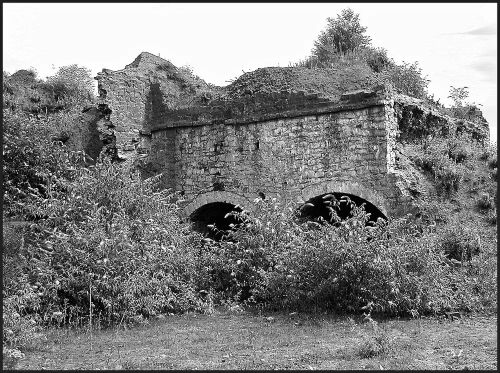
[{"x": 294, "y": 132}]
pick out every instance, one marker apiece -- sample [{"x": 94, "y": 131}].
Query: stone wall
[
  {"x": 286, "y": 131},
  {"x": 138, "y": 95},
  {"x": 283, "y": 156},
  {"x": 125, "y": 94}
]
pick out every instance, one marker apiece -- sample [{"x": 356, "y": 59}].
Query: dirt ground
[{"x": 229, "y": 340}]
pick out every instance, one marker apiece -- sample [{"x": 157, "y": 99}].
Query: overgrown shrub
[
  {"x": 447, "y": 173},
  {"x": 19, "y": 324},
  {"x": 342, "y": 35},
  {"x": 460, "y": 148},
  {"x": 378, "y": 59},
  {"x": 492, "y": 216},
  {"x": 493, "y": 162},
  {"x": 447, "y": 159},
  {"x": 71, "y": 85},
  {"x": 115, "y": 242},
  {"x": 280, "y": 263},
  {"x": 460, "y": 244},
  {"x": 34, "y": 165},
  {"x": 408, "y": 79},
  {"x": 486, "y": 202}
]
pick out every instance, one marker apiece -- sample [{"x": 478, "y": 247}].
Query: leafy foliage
[
  {"x": 34, "y": 164},
  {"x": 486, "y": 202},
  {"x": 105, "y": 244},
  {"x": 460, "y": 245},
  {"x": 277, "y": 262},
  {"x": 72, "y": 84},
  {"x": 344, "y": 42},
  {"x": 447, "y": 159},
  {"x": 378, "y": 59},
  {"x": 460, "y": 108},
  {"x": 407, "y": 79},
  {"x": 342, "y": 35},
  {"x": 111, "y": 241}
]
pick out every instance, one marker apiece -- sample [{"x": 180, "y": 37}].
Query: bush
[
  {"x": 447, "y": 173},
  {"x": 115, "y": 242},
  {"x": 486, "y": 202},
  {"x": 342, "y": 35},
  {"x": 279, "y": 263},
  {"x": 460, "y": 244},
  {"x": 407, "y": 79},
  {"x": 448, "y": 160},
  {"x": 492, "y": 216},
  {"x": 378, "y": 60},
  {"x": 493, "y": 163},
  {"x": 20, "y": 325},
  {"x": 34, "y": 166},
  {"x": 460, "y": 148},
  {"x": 71, "y": 85}
]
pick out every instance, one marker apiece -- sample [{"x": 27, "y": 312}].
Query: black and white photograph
[{"x": 249, "y": 186}]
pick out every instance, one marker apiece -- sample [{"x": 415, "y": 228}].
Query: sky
[{"x": 454, "y": 43}]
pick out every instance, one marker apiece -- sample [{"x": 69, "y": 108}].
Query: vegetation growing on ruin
[
  {"x": 106, "y": 246},
  {"x": 344, "y": 43},
  {"x": 97, "y": 244}
]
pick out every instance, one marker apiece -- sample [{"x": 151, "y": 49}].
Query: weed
[
  {"x": 492, "y": 216},
  {"x": 486, "y": 202},
  {"x": 11, "y": 357},
  {"x": 493, "y": 162},
  {"x": 377, "y": 341},
  {"x": 460, "y": 245}
]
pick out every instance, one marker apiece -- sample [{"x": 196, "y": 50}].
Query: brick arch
[
  {"x": 217, "y": 196},
  {"x": 357, "y": 189}
]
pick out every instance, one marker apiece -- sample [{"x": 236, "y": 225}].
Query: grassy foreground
[{"x": 243, "y": 340}]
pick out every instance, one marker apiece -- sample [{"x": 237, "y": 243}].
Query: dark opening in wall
[
  {"x": 218, "y": 146},
  {"x": 105, "y": 111},
  {"x": 218, "y": 185},
  {"x": 212, "y": 221},
  {"x": 318, "y": 208},
  {"x": 102, "y": 92},
  {"x": 257, "y": 145}
]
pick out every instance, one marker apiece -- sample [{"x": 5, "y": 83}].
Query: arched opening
[
  {"x": 319, "y": 207},
  {"x": 212, "y": 219}
]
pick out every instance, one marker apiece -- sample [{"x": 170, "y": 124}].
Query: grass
[{"x": 246, "y": 340}]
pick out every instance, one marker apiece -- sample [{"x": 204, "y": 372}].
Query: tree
[
  {"x": 72, "y": 84},
  {"x": 343, "y": 34}
]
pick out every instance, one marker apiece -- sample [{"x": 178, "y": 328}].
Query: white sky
[{"x": 455, "y": 44}]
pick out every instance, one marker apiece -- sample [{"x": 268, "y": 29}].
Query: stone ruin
[{"x": 294, "y": 132}]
